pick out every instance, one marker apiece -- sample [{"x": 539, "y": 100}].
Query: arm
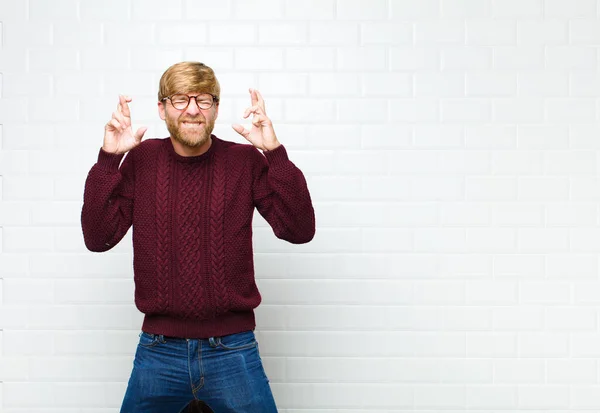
[
  {"x": 107, "y": 202},
  {"x": 281, "y": 196},
  {"x": 108, "y": 199},
  {"x": 279, "y": 189}
]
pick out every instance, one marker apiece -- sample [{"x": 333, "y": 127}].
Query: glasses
[{"x": 181, "y": 101}]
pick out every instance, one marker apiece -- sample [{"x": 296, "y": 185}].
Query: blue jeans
[{"x": 225, "y": 372}]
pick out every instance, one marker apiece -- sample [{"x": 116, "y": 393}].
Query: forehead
[{"x": 193, "y": 93}]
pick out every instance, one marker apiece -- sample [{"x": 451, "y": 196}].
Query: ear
[{"x": 161, "y": 110}]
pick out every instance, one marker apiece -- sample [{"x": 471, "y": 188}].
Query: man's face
[{"x": 190, "y": 126}]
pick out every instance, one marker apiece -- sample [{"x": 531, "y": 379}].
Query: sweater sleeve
[
  {"x": 107, "y": 202},
  {"x": 281, "y": 196}
]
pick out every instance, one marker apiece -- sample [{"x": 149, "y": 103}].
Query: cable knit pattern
[
  {"x": 163, "y": 233},
  {"x": 192, "y": 228},
  {"x": 217, "y": 251},
  {"x": 191, "y": 251}
]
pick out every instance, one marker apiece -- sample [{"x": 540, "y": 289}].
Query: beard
[{"x": 191, "y": 132}]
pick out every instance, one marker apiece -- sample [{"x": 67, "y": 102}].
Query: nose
[{"x": 193, "y": 108}]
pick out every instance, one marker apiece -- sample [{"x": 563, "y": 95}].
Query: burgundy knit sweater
[{"x": 192, "y": 228}]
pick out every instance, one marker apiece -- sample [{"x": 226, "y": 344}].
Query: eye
[{"x": 179, "y": 99}]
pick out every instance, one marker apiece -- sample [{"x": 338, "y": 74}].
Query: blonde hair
[{"x": 186, "y": 77}]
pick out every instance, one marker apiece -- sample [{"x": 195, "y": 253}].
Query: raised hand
[
  {"x": 262, "y": 135},
  {"x": 118, "y": 136}
]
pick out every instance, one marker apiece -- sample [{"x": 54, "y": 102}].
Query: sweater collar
[{"x": 192, "y": 159}]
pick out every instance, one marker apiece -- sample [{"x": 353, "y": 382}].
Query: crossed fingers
[
  {"x": 257, "y": 109},
  {"x": 121, "y": 118}
]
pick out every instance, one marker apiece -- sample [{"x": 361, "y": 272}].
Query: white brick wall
[{"x": 452, "y": 152}]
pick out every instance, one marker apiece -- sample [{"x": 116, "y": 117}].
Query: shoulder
[
  {"x": 148, "y": 147},
  {"x": 234, "y": 150},
  {"x": 151, "y": 145}
]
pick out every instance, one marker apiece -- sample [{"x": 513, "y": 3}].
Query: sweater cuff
[
  {"x": 278, "y": 157},
  {"x": 108, "y": 161}
]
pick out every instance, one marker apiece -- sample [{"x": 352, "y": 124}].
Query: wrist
[
  {"x": 113, "y": 150},
  {"x": 109, "y": 161},
  {"x": 272, "y": 146}
]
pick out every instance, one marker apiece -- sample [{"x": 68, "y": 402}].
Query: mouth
[{"x": 191, "y": 124}]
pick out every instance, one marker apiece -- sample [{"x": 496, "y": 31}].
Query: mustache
[{"x": 200, "y": 120}]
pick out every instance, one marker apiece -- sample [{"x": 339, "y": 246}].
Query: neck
[{"x": 184, "y": 150}]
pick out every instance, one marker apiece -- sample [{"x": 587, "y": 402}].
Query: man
[{"x": 190, "y": 199}]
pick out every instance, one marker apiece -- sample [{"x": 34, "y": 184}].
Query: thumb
[
  {"x": 140, "y": 133},
  {"x": 241, "y": 130}
]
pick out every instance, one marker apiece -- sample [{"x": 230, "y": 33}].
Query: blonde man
[{"x": 190, "y": 199}]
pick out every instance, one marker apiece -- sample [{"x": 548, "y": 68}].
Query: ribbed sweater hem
[{"x": 225, "y": 324}]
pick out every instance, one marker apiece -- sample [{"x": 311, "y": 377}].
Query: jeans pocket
[
  {"x": 241, "y": 341},
  {"x": 148, "y": 340}
]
